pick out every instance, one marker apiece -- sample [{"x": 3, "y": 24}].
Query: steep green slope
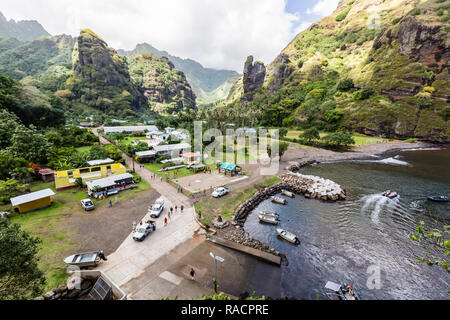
[
  {"x": 101, "y": 76},
  {"x": 165, "y": 87},
  {"x": 29, "y": 104},
  {"x": 373, "y": 66},
  {"x": 208, "y": 84},
  {"x": 19, "y": 60},
  {"x": 22, "y": 30},
  {"x": 85, "y": 73}
]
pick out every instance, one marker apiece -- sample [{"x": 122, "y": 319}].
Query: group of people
[{"x": 170, "y": 213}]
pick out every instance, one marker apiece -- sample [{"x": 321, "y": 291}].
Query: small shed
[
  {"x": 191, "y": 157},
  {"x": 33, "y": 201},
  {"x": 110, "y": 183},
  {"x": 146, "y": 154},
  {"x": 48, "y": 175},
  {"x": 231, "y": 169}
]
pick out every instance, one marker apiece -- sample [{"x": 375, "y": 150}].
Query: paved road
[{"x": 132, "y": 258}]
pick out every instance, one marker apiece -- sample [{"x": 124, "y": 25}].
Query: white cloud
[
  {"x": 217, "y": 33},
  {"x": 323, "y": 7}
]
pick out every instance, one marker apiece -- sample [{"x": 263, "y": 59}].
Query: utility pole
[{"x": 216, "y": 258}]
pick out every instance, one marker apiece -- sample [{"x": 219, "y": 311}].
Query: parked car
[
  {"x": 87, "y": 204},
  {"x": 157, "y": 208},
  {"x": 189, "y": 166},
  {"x": 220, "y": 192},
  {"x": 142, "y": 231}
]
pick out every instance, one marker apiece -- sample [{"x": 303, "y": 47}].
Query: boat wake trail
[{"x": 375, "y": 204}]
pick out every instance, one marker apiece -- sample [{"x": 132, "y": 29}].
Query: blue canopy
[{"x": 228, "y": 166}]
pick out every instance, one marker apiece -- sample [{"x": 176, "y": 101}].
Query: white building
[{"x": 129, "y": 129}]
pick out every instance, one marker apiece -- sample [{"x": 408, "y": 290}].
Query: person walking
[
  {"x": 169, "y": 213},
  {"x": 176, "y": 209},
  {"x": 192, "y": 273},
  {"x": 182, "y": 208},
  {"x": 165, "y": 221},
  {"x": 110, "y": 203},
  {"x": 134, "y": 226}
]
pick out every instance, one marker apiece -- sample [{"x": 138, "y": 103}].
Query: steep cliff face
[
  {"x": 254, "y": 75},
  {"x": 394, "y": 53},
  {"x": 103, "y": 74},
  {"x": 165, "y": 87}
]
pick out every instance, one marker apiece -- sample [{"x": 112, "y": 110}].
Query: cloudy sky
[{"x": 218, "y": 33}]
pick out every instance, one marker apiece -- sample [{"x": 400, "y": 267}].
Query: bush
[
  {"x": 416, "y": 12},
  {"x": 363, "y": 94},
  {"x": 309, "y": 135},
  {"x": 445, "y": 113},
  {"x": 346, "y": 85},
  {"x": 339, "y": 139},
  {"x": 343, "y": 14}
]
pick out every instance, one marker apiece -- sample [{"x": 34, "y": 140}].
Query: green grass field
[
  {"x": 50, "y": 225},
  {"x": 360, "y": 139},
  {"x": 211, "y": 208},
  {"x": 182, "y": 172},
  {"x": 84, "y": 150}
]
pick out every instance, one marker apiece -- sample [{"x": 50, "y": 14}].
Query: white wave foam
[
  {"x": 374, "y": 204},
  {"x": 394, "y": 161}
]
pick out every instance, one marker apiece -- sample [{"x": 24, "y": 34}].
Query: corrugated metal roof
[
  {"x": 171, "y": 147},
  {"x": 99, "y": 162},
  {"x": 130, "y": 129},
  {"x": 108, "y": 182},
  {"x": 17, "y": 201},
  {"x": 146, "y": 153}
]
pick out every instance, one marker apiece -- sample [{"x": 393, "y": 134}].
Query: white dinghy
[
  {"x": 288, "y": 194},
  {"x": 279, "y": 200},
  {"x": 268, "y": 219},
  {"x": 288, "y": 236},
  {"x": 269, "y": 213}
]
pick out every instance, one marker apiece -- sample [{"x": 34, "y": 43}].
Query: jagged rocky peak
[
  {"x": 254, "y": 75},
  {"x": 103, "y": 72},
  {"x": 281, "y": 70},
  {"x": 98, "y": 62}
]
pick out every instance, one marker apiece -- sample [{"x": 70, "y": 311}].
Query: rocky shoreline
[{"x": 311, "y": 187}]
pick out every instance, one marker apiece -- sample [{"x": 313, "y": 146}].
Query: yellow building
[
  {"x": 66, "y": 179},
  {"x": 33, "y": 201}
]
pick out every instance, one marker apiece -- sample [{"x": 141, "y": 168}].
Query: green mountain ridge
[
  {"x": 208, "y": 84},
  {"x": 21, "y": 30},
  {"x": 84, "y": 71},
  {"x": 372, "y": 66}
]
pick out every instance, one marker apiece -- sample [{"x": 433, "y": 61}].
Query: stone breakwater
[
  {"x": 311, "y": 187},
  {"x": 70, "y": 291}
]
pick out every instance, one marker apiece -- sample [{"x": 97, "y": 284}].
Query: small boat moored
[
  {"x": 268, "y": 213},
  {"x": 84, "y": 260},
  {"x": 439, "y": 199},
  {"x": 279, "y": 200},
  {"x": 268, "y": 219},
  {"x": 344, "y": 292},
  {"x": 288, "y": 236},
  {"x": 288, "y": 194}
]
